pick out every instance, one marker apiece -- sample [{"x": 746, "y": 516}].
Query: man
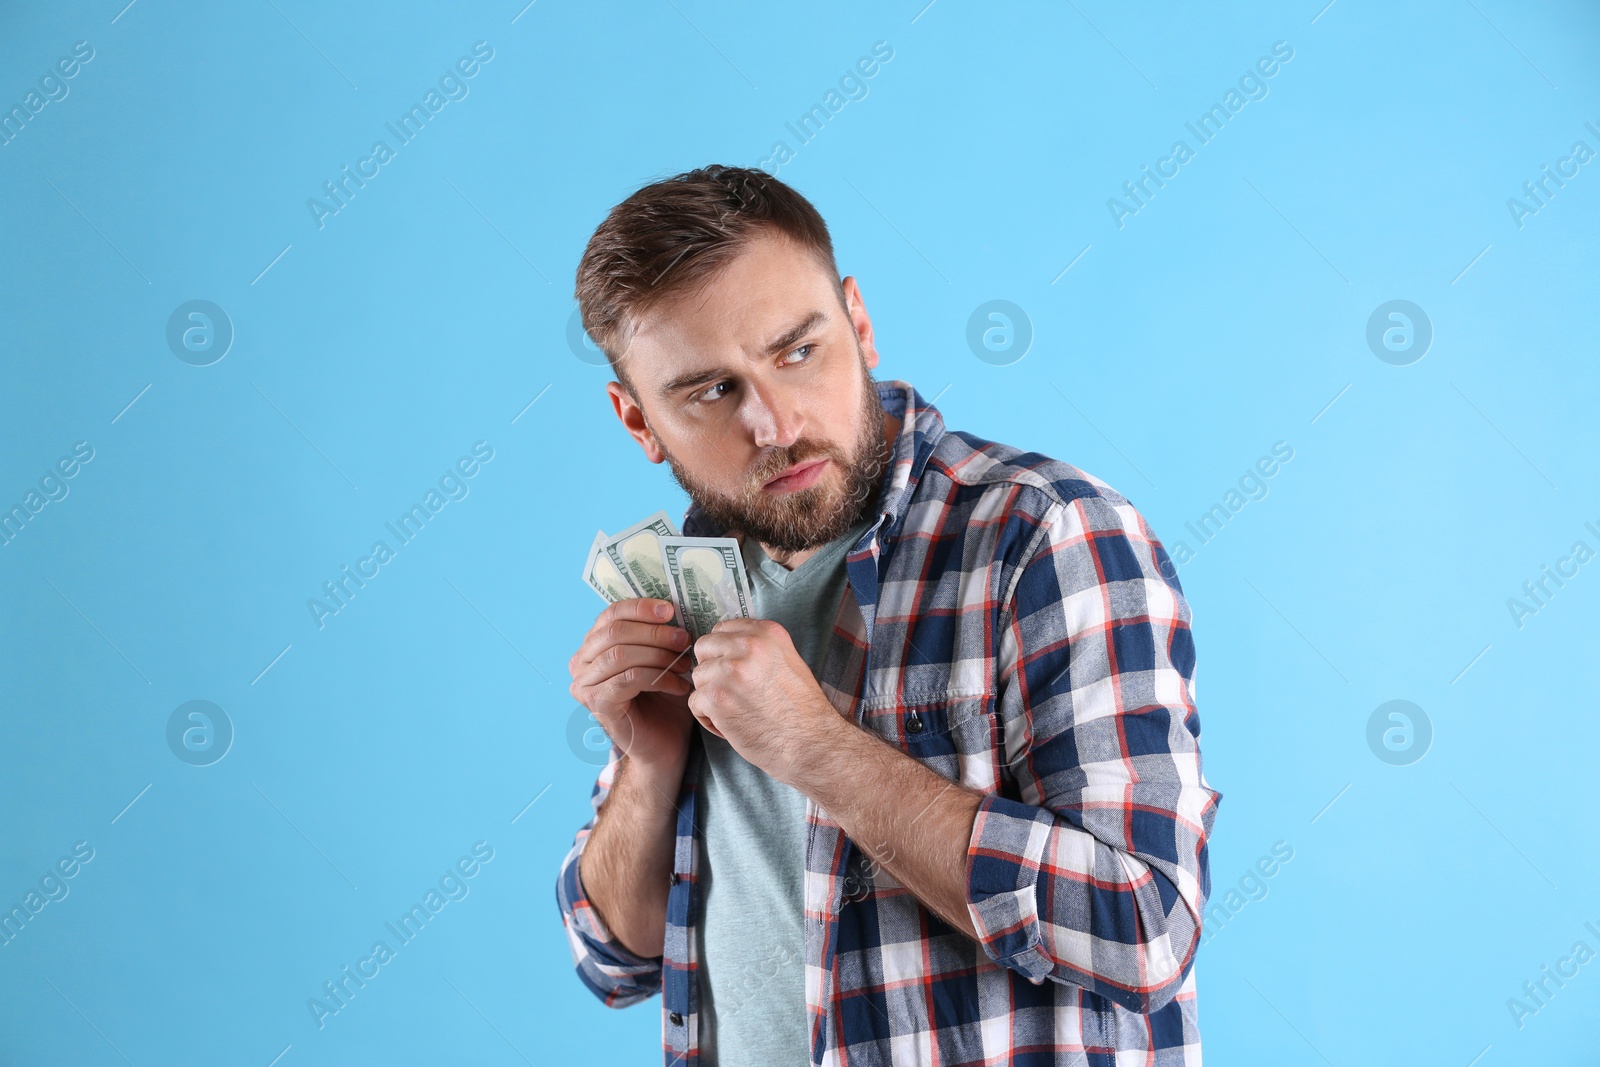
[{"x": 942, "y": 802}]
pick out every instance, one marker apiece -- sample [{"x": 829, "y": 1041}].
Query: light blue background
[{"x": 1227, "y": 315}]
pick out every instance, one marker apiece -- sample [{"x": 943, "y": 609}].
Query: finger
[
  {"x": 742, "y": 630},
  {"x": 641, "y": 608},
  {"x": 620, "y": 689},
  {"x": 712, "y": 645},
  {"x": 635, "y": 609},
  {"x": 717, "y": 644},
  {"x": 616, "y": 659},
  {"x": 634, "y": 621},
  {"x": 630, "y": 632},
  {"x": 723, "y": 626},
  {"x": 706, "y": 722}
]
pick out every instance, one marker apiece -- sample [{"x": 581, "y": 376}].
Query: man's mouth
[{"x": 799, "y": 476}]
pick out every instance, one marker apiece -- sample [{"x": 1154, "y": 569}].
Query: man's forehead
[
  {"x": 749, "y": 325},
  {"x": 757, "y": 290}
]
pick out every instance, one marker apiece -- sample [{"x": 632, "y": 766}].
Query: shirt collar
[{"x": 921, "y": 427}]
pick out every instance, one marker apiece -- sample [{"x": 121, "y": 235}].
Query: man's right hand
[{"x": 632, "y": 673}]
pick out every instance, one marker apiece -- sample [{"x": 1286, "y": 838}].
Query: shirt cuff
[
  {"x": 592, "y": 929},
  {"x": 1008, "y": 841}
]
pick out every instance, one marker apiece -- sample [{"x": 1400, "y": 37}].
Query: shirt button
[
  {"x": 677, "y": 1020},
  {"x": 914, "y": 724}
]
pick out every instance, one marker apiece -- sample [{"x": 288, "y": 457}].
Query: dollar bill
[
  {"x": 707, "y": 581},
  {"x": 636, "y": 554},
  {"x": 602, "y": 575}
]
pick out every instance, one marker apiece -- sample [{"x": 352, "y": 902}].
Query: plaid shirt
[{"x": 1016, "y": 627}]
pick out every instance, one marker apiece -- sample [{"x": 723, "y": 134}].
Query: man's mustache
[{"x": 781, "y": 461}]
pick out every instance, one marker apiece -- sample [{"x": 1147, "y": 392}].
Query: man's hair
[{"x": 674, "y": 235}]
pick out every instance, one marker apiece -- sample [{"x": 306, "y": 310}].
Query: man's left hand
[{"x": 752, "y": 689}]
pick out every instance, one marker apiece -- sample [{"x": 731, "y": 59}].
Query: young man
[{"x": 942, "y": 801}]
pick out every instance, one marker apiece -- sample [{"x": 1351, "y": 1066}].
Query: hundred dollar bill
[
  {"x": 635, "y": 552},
  {"x": 602, "y": 575},
  {"x": 707, "y": 580}
]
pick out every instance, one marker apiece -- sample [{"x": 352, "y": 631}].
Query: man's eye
[
  {"x": 802, "y": 348},
  {"x": 710, "y": 393}
]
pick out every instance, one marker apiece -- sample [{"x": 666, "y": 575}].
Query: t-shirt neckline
[{"x": 775, "y": 573}]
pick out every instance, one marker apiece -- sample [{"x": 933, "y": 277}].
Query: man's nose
[{"x": 775, "y": 422}]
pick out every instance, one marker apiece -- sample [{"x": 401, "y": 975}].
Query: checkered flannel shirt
[{"x": 1017, "y": 627}]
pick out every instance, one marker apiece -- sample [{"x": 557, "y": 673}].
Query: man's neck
[{"x": 791, "y": 560}]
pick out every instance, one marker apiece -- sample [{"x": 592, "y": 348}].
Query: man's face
[{"x": 756, "y": 391}]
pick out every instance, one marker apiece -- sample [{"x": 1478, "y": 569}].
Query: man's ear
[
  {"x": 859, "y": 320},
  {"x": 631, "y": 415}
]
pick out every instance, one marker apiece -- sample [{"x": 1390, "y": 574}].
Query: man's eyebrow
[
  {"x": 779, "y": 344},
  {"x": 684, "y": 381},
  {"x": 793, "y": 334}
]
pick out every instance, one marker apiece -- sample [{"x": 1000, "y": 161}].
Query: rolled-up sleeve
[
  {"x": 611, "y": 972},
  {"x": 1096, "y": 873}
]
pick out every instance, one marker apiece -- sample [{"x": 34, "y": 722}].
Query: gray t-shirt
[{"x": 752, "y": 951}]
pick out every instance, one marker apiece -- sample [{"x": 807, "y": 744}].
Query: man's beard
[{"x": 803, "y": 518}]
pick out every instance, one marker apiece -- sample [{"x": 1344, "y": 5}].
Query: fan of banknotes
[{"x": 703, "y": 577}]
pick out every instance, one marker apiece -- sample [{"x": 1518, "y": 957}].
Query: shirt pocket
[{"x": 957, "y": 737}]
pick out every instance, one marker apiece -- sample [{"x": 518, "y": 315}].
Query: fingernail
[
  {"x": 680, "y": 637},
  {"x": 663, "y": 611}
]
